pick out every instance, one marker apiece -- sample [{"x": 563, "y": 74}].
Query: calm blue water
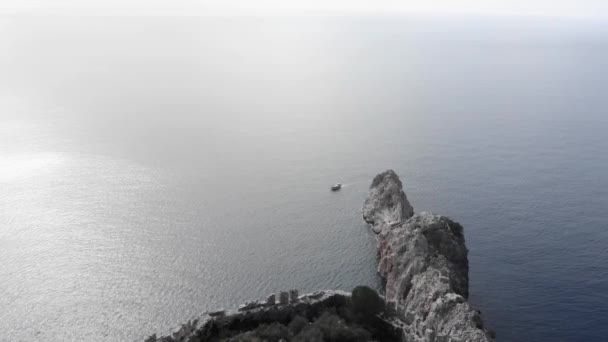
[{"x": 154, "y": 168}]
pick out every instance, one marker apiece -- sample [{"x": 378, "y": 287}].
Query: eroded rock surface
[
  {"x": 386, "y": 204},
  {"x": 423, "y": 259}
]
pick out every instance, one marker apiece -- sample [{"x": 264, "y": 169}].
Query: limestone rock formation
[
  {"x": 423, "y": 259},
  {"x": 386, "y": 203}
]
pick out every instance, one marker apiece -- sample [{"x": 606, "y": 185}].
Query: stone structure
[
  {"x": 293, "y": 296},
  {"x": 271, "y": 299},
  {"x": 284, "y": 298}
]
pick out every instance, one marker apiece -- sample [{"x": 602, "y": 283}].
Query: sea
[{"x": 153, "y": 168}]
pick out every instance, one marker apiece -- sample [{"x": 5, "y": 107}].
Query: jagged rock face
[
  {"x": 423, "y": 259},
  {"x": 386, "y": 203},
  {"x": 425, "y": 243}
]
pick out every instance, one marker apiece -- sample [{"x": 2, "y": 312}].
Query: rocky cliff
[{"x": 423, "y": 259}]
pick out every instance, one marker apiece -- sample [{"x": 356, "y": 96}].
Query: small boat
[{"x": 336, "y": 187}]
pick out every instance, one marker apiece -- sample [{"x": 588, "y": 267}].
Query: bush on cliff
[
  {"x": 328, "y": 328},
  {"x": 366, "y": 302},
  {"x": 273, "y": 332},
  {"x": 336, "y": 329},
  {"x": 297, "y": 324}
]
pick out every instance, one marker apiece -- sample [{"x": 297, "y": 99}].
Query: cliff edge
[{"x": 423, "y": 259}]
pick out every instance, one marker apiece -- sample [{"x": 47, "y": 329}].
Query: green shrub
[
  {"x": 335, "y": 329},
  {"x": 309, "y": 334},
  {"x": 297, "y": 324},
  {"x": 273, "y": 332},
  {"x": 331, "y": 328},
  {"x": 366, "y": 302}
]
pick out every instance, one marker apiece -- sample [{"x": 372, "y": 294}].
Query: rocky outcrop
[
  {"x": 386, "y": 204},
  {"x": 423, "y": 259}
]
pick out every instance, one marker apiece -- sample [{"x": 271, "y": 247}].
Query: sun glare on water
[{"x": 27, "y": 165}]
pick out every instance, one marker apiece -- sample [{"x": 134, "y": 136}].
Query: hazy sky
[{"x": 565, "y": 8}]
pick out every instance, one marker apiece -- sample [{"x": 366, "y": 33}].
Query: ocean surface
[{"x": 153, "y": 168}]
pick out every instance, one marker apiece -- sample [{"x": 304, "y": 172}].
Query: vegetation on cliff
[{"x": 351, "y": 322}]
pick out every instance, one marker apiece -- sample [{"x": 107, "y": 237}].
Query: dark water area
[{"x": 153, "y": 168}]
